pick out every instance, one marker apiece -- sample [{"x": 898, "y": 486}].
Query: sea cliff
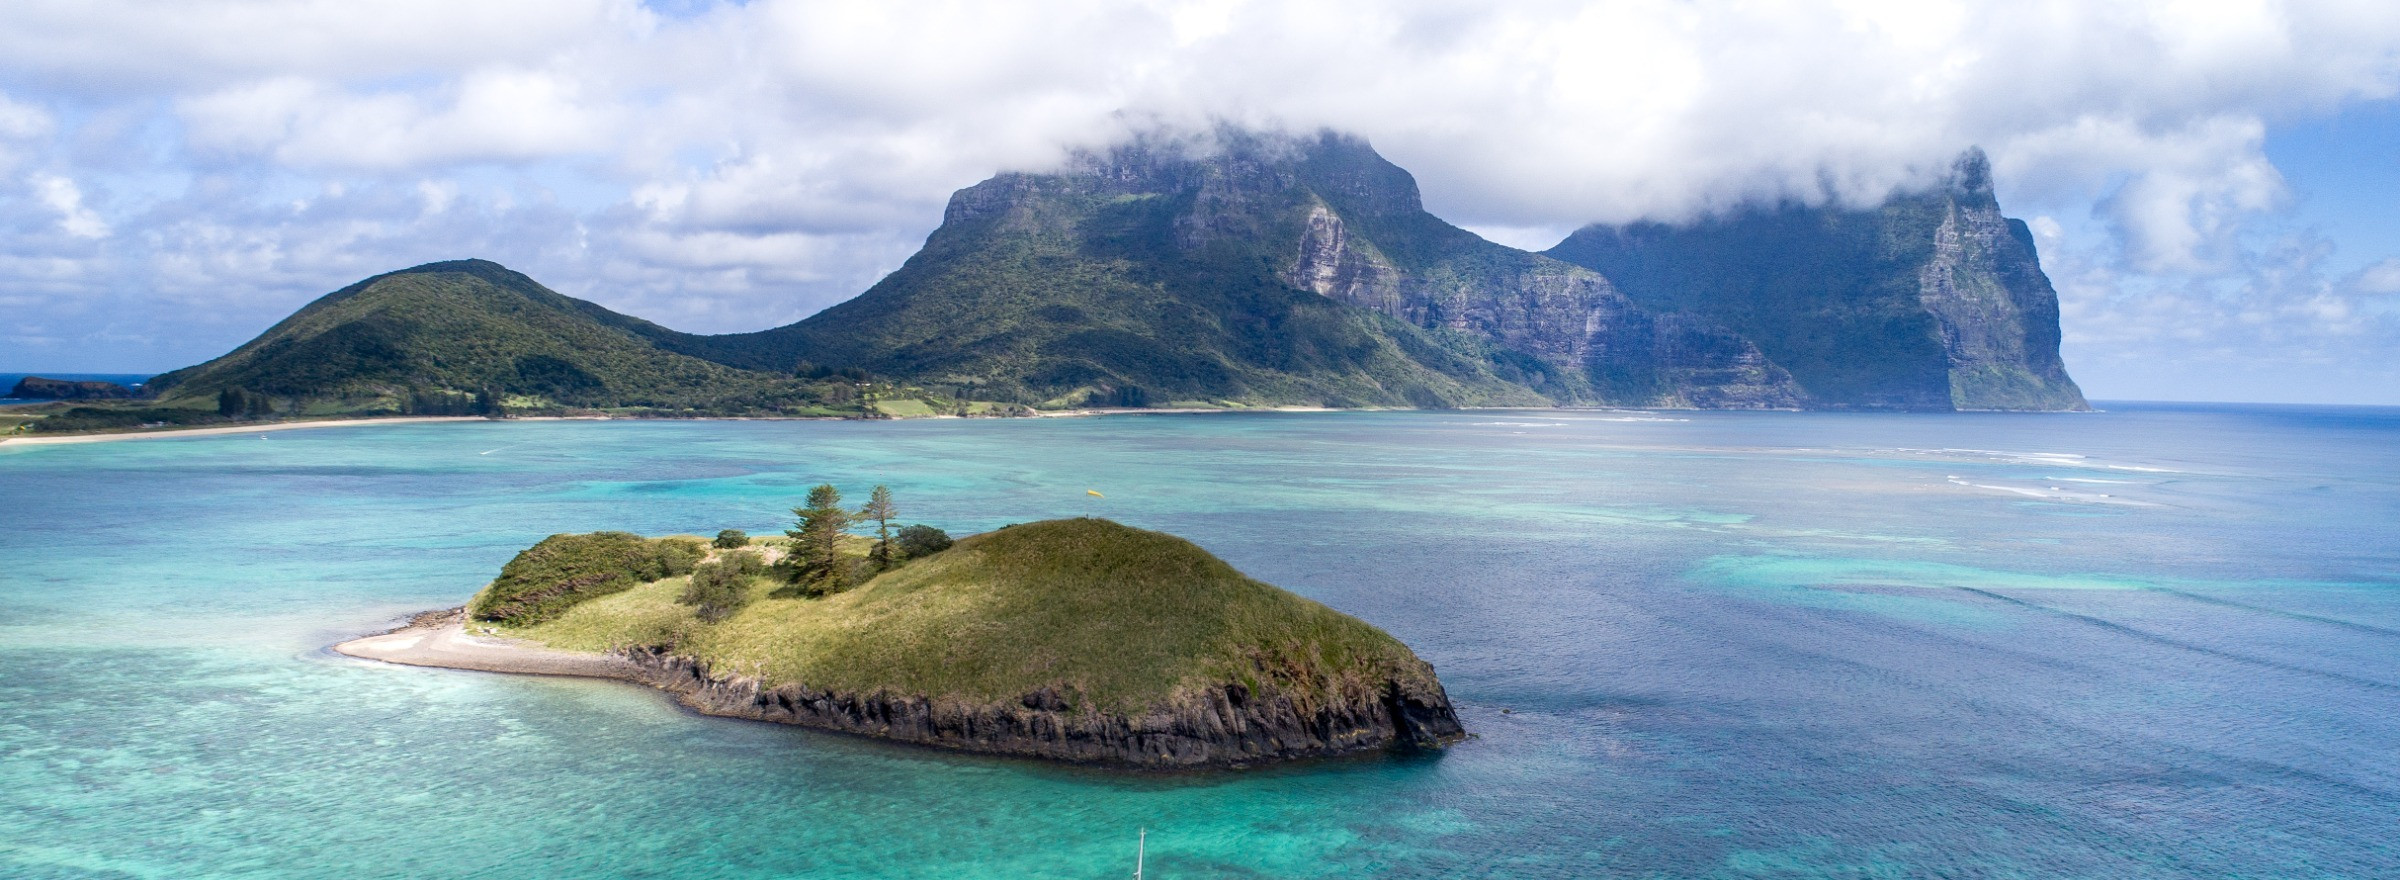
[{"x": 1212, "y": 727}]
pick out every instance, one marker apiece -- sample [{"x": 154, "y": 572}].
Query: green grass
[
  {"x": 905, "y": 407},
  {"x": 1113, "y": 617}
]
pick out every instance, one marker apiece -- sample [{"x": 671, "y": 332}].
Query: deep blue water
[{"x": 2161, "y": 641}]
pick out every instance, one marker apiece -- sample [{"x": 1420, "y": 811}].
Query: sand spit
[{"x": 440, "y": 639}]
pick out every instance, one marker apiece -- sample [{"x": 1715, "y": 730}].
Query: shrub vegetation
[
  {"x": 563, "y": 570},
  {"x": 721, "y": 586},
  {"x": 922, "y": 540}
]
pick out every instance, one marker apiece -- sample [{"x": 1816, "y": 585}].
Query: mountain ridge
[
  {"x": 1227, "y": 268},
  {"x": 1238, "y": 221}
]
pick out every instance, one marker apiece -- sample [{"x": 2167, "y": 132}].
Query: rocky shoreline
[{"x": 1226, "y": 726}]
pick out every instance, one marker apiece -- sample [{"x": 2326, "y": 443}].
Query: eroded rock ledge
[{"x": 1216, "y": 727}]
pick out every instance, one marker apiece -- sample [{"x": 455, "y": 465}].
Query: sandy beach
[
  {"x": 1165, "y": 411},
  {"x": 440, "y": 639}
]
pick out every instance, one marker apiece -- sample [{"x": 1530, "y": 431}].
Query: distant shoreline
[
  {"x": 52, "y": 440},
  {"x": 63, "y": 439},
  {"x": 219, "y": 430}
]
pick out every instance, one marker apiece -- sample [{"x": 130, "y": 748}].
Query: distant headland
[{"x": 1076, "y": 640}]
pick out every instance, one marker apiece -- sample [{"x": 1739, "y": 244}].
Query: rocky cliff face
[
  {"x": 1171, "y": 263},
  {"x": 1598, "y": 345},
  {"x": 1994, "y": 308},
  {"x": 1933, "y": 301},
  {"x": 1222, "y": 726},
  {"x": 1345, "y": 224}
]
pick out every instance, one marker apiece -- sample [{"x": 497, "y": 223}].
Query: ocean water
[{"x": 2159, "y": 641}]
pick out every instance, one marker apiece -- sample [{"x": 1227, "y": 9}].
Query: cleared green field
[{"x": 905, "y": 407}]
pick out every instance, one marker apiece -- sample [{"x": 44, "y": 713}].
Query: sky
[{"x": 2212, "y": 185}]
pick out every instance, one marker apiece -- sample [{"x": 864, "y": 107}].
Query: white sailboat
[{"x": 1140, "y": 845}]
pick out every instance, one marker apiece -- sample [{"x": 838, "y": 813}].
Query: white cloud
[
  {"x": 2381, "y": 278},
  {"x": 61, "y": 195},
  {"x": 2277, "y": 326},
  {"x": 20, "y": 121},
  {"x": 485, "y": 115}
]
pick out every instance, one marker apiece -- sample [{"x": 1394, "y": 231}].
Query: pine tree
[
  {"x": 879, "y": 508},
  {"x": 814, "y": 560}
]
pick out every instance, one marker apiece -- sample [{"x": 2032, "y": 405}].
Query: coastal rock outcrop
[
  {"x": 40, "y": 388},
  {"x": 1211, "y": 727}
]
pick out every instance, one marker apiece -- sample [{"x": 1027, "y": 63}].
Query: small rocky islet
[{"x": 1075, "y": 640}]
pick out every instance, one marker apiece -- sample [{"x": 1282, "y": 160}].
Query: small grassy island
[{"x": 1078, "y": 640}]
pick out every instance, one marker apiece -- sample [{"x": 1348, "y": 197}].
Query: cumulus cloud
[
  {"x": 20, "y": 121},
  {"x": 735, "y": 164},
  {"x": 2382, "y": 278},
  {"x": 62, "y": 196},
  {"x": 2280, "y": 324}
]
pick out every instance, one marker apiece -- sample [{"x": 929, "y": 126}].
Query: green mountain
[
  {"x": 1251, "y": 268},
  {"x": 448, "y": 331},
  {"x": 1224, "y": 268},
  {"x": 1932, "y": 301}
]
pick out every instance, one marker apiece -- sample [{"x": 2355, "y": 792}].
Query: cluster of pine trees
[
  {"x": 236, "y": 403},
  {"x": 813, "y": 561},
  {"x": 445, "y": 402}
]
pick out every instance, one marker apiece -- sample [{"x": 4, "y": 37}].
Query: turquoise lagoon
[{"x": 2160, "y": 641}]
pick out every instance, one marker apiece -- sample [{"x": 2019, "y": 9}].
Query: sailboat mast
[{"x": 1140, "y": 846}]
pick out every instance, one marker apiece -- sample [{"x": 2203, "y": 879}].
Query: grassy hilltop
[
  {"x": 471, "y": 337},
  {"x": 1110, "y": 618}
]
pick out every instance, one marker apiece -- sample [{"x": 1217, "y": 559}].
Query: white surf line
[
  {"x": 2037, "y": 494},
  {"x": 2053, "y": 493}
]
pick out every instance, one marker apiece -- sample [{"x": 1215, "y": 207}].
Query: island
[{"x": 1074, "y": 640}]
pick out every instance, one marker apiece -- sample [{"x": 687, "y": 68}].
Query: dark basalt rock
[
  {"x": 1214, "y": 727},
  {"x": 39, "y": 388}
]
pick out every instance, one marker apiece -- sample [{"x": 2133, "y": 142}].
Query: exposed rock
[
  {"x": 1996, "y": 311},
  {"x": 1209, "y": 727},
  {"x": 1567, "y": 317},
  {"x": 1180, "y": 263},
  {"x": 1932, "y": 301}
]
